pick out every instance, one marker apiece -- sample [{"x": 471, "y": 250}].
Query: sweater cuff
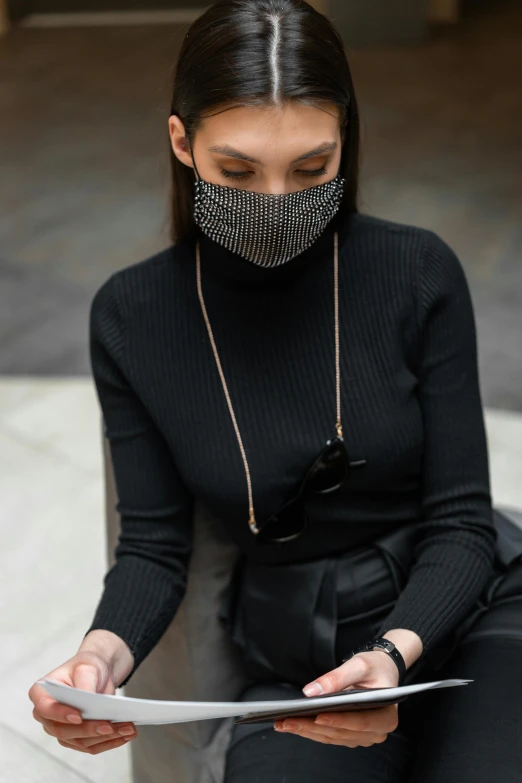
[
  {"x": 436, "y": 600},
  {"x": 138, "y": 604}
]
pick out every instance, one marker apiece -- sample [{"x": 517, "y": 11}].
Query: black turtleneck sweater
[{"x": 410, "y": 403}]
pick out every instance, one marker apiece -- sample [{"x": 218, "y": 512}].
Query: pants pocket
[
  {"x": 280, "y": 612},
  {"x": 367, "y": 592}
]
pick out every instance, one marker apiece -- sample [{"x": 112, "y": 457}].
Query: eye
[
  {"x": 243, "y": 174},
  {"x": 313, "y": 172},
  {"x": 236, "y": 174}
]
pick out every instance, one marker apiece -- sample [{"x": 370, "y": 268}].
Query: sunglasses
[{"x": 327, "y": 473}]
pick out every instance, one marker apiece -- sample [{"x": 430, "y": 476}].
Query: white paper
[{"x": 98, "y": 706}]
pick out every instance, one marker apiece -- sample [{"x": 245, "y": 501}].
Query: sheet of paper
[{"x": 98, "y": 706}]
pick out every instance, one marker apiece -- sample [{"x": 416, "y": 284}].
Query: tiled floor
[{"x": 52, "y": 562}]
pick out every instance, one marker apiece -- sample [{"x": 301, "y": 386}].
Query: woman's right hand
[{"x": 89, "y": 671}]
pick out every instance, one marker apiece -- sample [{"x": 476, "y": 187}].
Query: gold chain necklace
[{"x": 338, "y": 426}]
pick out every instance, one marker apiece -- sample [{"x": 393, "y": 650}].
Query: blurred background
[{"x": 84, "y": 95}]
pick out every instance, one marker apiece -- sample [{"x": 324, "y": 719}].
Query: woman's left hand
[{"x": 374, "y": 669}]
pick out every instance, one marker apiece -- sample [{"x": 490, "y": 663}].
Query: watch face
[{"x": 389, "y": 646}]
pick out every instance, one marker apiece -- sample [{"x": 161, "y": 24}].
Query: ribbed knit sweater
[{"x": 410, "y": 402}]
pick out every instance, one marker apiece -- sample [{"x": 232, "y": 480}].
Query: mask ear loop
[{"x": 194, "y": 162}]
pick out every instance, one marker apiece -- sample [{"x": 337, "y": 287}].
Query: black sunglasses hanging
[{"x": 328, "y": 473}]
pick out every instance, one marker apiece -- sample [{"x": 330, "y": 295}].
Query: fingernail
[
  {"x": 324, "y": 721},
  {"x": 291, "y": 726},
  {"x": 313, "y": 690},
  {"x": 126, "y": 730},
  {"x": 74, "y": 719},
  {"x": 105, "y": 730}
]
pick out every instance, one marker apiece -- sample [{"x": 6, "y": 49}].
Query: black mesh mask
[{"x": 265, "y": 228}]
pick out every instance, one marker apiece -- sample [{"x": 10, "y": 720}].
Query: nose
[{"x": 277, "y": 188}]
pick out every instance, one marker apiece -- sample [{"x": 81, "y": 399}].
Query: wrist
[
  {"x": 408, "y": 643},
  {"x": 112, "y": 648}
]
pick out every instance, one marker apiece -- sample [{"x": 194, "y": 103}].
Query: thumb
[
  {"x": 87, "y": 677},
  {"x": 349, "y": 673}
]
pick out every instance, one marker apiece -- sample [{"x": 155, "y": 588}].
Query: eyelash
[{"x": 235, "y": 175}]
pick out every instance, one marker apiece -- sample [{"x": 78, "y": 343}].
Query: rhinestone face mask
[{"x": 265, "y": 228}]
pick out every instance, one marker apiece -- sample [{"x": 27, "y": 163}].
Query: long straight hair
[{"x": 259, "y": 53}]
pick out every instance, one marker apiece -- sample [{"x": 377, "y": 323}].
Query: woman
[{"x": 311, "y": 374}]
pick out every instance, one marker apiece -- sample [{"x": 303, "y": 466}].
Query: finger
[
  {"x": 47, "y": 707},
  {"x": 307, "y": 723},
  {"x": 72, "y": 746},
  {"x": 100, "y": 747},
  {"x": 357, "y": 737},
  {"x": 322, "y": 738},
  {"x": 90, "y": 742},
  {"x": 86, "y": 677},
  {"x": 379, "y": 720},
  {"x": 361, "y": 738},
  {"x": 349, "y": 673},
  {"x": 96, "y": 748},
  {"x": 366, "y": 738},
  {"x": 99, "y": 730}
]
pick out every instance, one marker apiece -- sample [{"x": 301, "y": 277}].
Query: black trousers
[
  {"x": 452, "y": 735},
  {"x": 449, "y": 735}
]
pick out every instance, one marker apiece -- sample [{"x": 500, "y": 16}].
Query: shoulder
[
  {"x": 389, "y": 234},
  {"x": 433, "y": 263},
  {"x": 141, "y": 283}
]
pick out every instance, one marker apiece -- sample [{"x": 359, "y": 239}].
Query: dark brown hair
[{"x": 231, "y": 56}]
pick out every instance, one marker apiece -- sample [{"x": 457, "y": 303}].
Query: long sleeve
[
  {"x": 454, "y": 551},
  {"x": 144, "y": 588}
]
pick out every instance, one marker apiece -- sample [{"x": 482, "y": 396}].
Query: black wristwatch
[{"x": 382, "y": 644}]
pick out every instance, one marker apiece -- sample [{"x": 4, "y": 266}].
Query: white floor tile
[
  {"x": 34, "y": 479},
  {"x": 25, "y": 762},
  {"x": 52, "y": 569},
  {"x": 504, "y": 431},
  {"x": 16, "y": 390},
  {"x": 52, "y": 563},
  {"x": 60, "y": 415},
  {"x": 43, "y": 754}
]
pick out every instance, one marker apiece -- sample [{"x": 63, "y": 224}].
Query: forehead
[{"x": 290, "y": 129}]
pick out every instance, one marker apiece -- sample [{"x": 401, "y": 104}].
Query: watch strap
[{"x": 381, "y": 643}]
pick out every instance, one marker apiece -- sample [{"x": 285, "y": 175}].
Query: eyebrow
[{"x": 326, "y": 146}]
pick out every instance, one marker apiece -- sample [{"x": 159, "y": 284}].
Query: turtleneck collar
[{"x": 230, "y": 270}]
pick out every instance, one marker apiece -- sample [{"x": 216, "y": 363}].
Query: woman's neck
[{"x": 230, "y": 270}]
